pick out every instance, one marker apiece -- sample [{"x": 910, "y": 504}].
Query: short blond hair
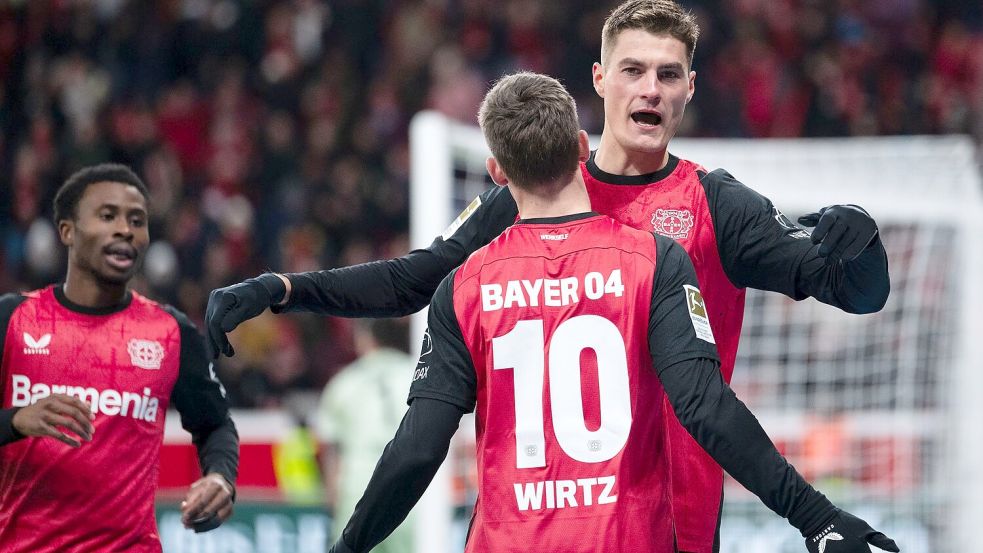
[
  {"x": 654, "y": 16},
  {"x": 530, "y": 123}
]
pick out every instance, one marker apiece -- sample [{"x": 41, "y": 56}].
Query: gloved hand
[
  {"x": 229, "y": 306},
  {"x": 842, "y": 231},
  {"x": 846, "y": 533}
]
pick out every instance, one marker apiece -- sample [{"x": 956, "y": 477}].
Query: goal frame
[{"x": 771, "y": 166}]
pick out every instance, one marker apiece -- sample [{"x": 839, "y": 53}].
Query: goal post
[{"x": 882, "y": 412}]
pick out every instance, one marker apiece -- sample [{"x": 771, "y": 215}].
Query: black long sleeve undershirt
[
  {"x": 404, "y": 471},
  {"x": 760, "y": 248},
  {"x": 729, "y": 432},
  {"x": 200, "y": 400},
  {"x": 8, "y": 433}
]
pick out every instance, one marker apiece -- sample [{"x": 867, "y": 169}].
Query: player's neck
[
  {"x": 613, "y": 159},
  {"x": 85, "y": 290},
  {"x": 565, "y": 199}
]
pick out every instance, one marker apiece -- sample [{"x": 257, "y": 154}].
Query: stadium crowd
[{"x": 274, "y": 134}]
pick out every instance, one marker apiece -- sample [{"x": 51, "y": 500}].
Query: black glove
[
  {"x": 229, "y": 306},
  {"x": 843, "y": 231},
  {"x": 845, "y": 533}
]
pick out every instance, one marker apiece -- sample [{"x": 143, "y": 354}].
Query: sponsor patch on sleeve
[
  {"x": 422, "y": 366},
  {"x": 464, "y": 216},
  {"x": 698, "y": 313}
]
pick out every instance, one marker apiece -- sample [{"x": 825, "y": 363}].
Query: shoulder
[
  {"x": 720, "y": 182},
  {"x": 163, "y": 310},
  {"x": 686, "y": 166},
  {"x": 10, "y": 302},
  {"x": 635, "y": 241}
]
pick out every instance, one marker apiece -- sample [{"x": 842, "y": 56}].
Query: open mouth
[
  {"x": 647, "y": 118},
  {"x": 121, "y": 256}
]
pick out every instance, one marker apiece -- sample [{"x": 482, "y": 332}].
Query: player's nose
[{"x": 650, "y": 89}]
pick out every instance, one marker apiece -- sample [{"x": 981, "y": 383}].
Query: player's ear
[
  {"x": 692, "y": 86},
  {"x": 598, "y": 77},
  {"x": 66, "y": 231},
  {"x": 583, "y": 145},
  {"x": 495, "y": 171}
]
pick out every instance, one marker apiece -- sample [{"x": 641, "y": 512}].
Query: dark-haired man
[
  {"x": 88, "y": 370},
  {"x": 736, "y": 238},
  {"x": 561, "y": 334}
]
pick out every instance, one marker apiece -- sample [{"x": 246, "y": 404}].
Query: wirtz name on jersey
[
  {"x": 561, "y": 494},
  {"x": 551, "y": 292},
  {"x": 108, "y": 402}
]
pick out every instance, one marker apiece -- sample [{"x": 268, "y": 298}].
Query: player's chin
[
  {"x": 117, "y": 277},
  {"x": 649, "y": 143}
]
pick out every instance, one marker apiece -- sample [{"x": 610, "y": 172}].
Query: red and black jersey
[
  {"x": 735, "y": 237},
  {"x": 129, "y": 363},
  {"x": 552, "y": 331}
]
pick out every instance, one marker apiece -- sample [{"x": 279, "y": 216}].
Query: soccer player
[
  {"x": 735, "y": 237},
  {"x": 355, "y": 426},
  {"x": 88, "y": 370},
  {"x": 562, "y": 333}
]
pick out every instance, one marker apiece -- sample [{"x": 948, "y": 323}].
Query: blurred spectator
[
  {"x": 358, "y": 413},
  {"x": 273, "y": 134}
]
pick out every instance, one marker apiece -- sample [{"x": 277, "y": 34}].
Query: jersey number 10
[{"x": 521, "y": 350}]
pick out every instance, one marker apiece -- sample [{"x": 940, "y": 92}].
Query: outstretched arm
[
  {"x": 405, "y": 469},
  {"x": 727, "y": 430},
  {"x": 687, "y": 365},
  {"x": 390, "y": 288},
  {"x": 444, "y": 388},
  {"x": 843, "y": 264}
]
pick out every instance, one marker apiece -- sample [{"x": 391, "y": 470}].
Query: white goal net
[{"x": 882, "y": 412}]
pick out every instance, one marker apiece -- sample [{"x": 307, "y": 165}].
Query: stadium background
[{"x": 275, "y": 134}]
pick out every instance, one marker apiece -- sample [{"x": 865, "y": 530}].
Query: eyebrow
[
  {"x": 117, "y": 207},
  {"x": 634, "y": 61}
]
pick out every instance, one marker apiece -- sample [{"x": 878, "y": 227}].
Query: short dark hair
[
  {"x": 654, "y": 16},
  {"x": 387, "y": 333},
  {"x": 530, "y": 123},
  {"x": 68, "y": 196}
]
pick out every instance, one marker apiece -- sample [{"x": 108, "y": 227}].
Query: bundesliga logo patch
[
  {"x": 698, "y": 313},
  {"x": 674, "y": 223},
  {"x": 146, "y": 354}
]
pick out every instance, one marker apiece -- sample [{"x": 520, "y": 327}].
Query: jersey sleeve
[
  {"x": 445, "y": 370},
  {"x": 403, "y": 285},
  {"x": 760, "y": 248},
  {"x": 678, "y": 325},
  {"x": 407, "y": 466},
  {"x": 723, "y": 426},
  {"x": 200, "y": 399},
  {"x": 8, "y": 302}
]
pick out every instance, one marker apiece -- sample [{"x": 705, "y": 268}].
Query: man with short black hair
[{"x": 87, "y": 372}]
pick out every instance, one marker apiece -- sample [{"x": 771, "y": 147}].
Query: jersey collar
[
  {"x": 59, "y": 290},
  {"x": 557, "y": 220},
  {"x": 647, "y": 178}
]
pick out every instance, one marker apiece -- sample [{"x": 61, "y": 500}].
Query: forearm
[
  {"x": 8, "y": 433},
  {"x": 390, "y": 288},
  {"x": 218, "y": 450},
  {"x": 727, "y": 430},
  {"x": 406, "y": 468}
]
